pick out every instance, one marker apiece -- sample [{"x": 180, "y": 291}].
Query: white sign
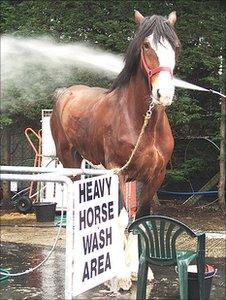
[
  {"x": 13, "y": 186},
  {"x": 95, "y": 232}
]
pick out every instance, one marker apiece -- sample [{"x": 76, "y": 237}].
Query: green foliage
[
  {"x": 185, "y": 115},
  {"x": 175, "y": 176},
  {"x": 5, "y": 121},
  {"x": 24, "y": 102}
]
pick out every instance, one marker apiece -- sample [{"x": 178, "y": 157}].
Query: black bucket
[
  {"x": 45, "y": 211},
  {"x": 193, "y": 284}
]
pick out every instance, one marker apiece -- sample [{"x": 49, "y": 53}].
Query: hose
[{"x": 4, "y": 274}]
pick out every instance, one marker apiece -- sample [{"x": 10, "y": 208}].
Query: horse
[
  {"x": 125, "y": 127},
  {"x": 103, "y": 126}
]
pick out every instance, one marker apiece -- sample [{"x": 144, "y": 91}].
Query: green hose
[{"x": 5, "y": 275}]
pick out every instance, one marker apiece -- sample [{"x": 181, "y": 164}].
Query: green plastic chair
[{"x": 157, "y": 236}]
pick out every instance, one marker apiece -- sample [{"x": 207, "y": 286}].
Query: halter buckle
[{"x": 151, "y": 72}]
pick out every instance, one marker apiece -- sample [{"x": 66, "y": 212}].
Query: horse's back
[
  {"x": 74, "y": 100},
  {"x": 77, "y": 114},
  {"x": 76, "y": 93}
]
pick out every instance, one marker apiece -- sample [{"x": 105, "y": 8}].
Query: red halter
[{"x": 150, "y": 72}]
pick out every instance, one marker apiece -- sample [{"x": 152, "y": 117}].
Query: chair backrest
[{"x": 157, "y": 236}]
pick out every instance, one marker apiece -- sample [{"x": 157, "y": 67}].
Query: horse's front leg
[
  {"x": 129, "y": 257},
  {"x": 146, "y": 201},
  {"x": 123, "y": 280},
  {"x": 131, "y": 254}
]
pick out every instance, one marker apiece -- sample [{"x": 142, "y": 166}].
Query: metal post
[
  {"x": 69, "y": 194},
  {"x": 63, "y": 171},
  {"x": 221, "y": 191},
  {"x": 54, "y": 175}
]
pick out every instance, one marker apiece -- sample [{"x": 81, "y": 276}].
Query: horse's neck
[
  {"x": 136, "y": 100},
  {"x": 135, "y": 96}
]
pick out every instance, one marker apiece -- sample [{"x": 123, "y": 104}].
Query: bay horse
[
  {"x": 103, "y": 126},
  {"x": 125, "y": 127}
]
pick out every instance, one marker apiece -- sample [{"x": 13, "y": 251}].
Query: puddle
[
  {"x": 48, "y": 281},
  {"x": 44, "y": 283}
]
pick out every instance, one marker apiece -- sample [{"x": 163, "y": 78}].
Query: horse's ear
[
  {"x": 172, "y": 18},
  {"x": 139, "y": 18}
]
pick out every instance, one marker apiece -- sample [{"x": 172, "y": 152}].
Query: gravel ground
[
  {"x": 19, "y": 229},
  {"x": 23, "y": 228}
]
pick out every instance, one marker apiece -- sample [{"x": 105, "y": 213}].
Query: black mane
[{"x": 160, "y": 28}]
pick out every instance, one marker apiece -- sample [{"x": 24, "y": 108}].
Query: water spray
[
  {"x": 25, "y": 59},
  {"x": 186, "y": 85}
]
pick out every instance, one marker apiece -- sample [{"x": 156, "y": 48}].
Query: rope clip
[{"x": 149, "y": 111}]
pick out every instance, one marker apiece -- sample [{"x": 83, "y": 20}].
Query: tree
[{"x": 110, "y": 25}]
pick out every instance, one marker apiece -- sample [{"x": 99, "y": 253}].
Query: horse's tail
[{"x": 58, "y": 92}]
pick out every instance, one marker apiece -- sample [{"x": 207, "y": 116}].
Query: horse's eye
[{"x": 146, "y": 45}]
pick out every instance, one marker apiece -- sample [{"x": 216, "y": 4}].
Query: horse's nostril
[{"x": 158, "y": 94}]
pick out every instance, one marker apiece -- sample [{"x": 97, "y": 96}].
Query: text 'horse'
[{"x": 103, "y": 126}]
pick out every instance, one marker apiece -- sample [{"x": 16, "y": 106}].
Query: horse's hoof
[
  {"x": 134, "y": 276},
  {"x": 124, "y": 283}
]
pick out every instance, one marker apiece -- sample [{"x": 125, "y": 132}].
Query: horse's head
[{"x": 158, "y": 50}]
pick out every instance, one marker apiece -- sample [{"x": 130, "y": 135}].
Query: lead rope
[{"x": 146, "y": 120}]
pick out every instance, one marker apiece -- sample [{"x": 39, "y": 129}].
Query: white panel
[
  {"x": 48, "y": 146},
  {"x": 92, "y": 248}
]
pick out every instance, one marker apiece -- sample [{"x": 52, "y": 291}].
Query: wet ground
[
  {"x": 48, "y": 281},
  {"x": 25, "y": 243}
]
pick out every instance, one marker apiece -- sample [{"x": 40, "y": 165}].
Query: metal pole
[
  {"x": 56, "y": 177},
  {"x": 69, "y": 237},
  {"x": 60, "y": 171},
  {"x": 221, "y": 191}
]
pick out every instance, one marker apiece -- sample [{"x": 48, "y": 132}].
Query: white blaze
[{"x": 164, "y": 82}]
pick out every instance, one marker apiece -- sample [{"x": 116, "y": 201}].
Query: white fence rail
[{"x": 103, "y": 252}]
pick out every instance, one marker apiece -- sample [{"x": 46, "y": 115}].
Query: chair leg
[
  {"x": 183, "y": 279},
  {"x": 201, "y": 277},
  {"x": 142, "y": 280}
]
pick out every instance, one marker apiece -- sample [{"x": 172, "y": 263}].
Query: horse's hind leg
[
  {"x": 65, "y": 151},
  {"x": 68, "y": 156}
]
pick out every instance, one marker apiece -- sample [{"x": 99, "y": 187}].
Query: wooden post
[
  {"x": 211, "y": 183},
  {"x": 221, "y": 191},
  {"x": 5, "y": 160}
]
